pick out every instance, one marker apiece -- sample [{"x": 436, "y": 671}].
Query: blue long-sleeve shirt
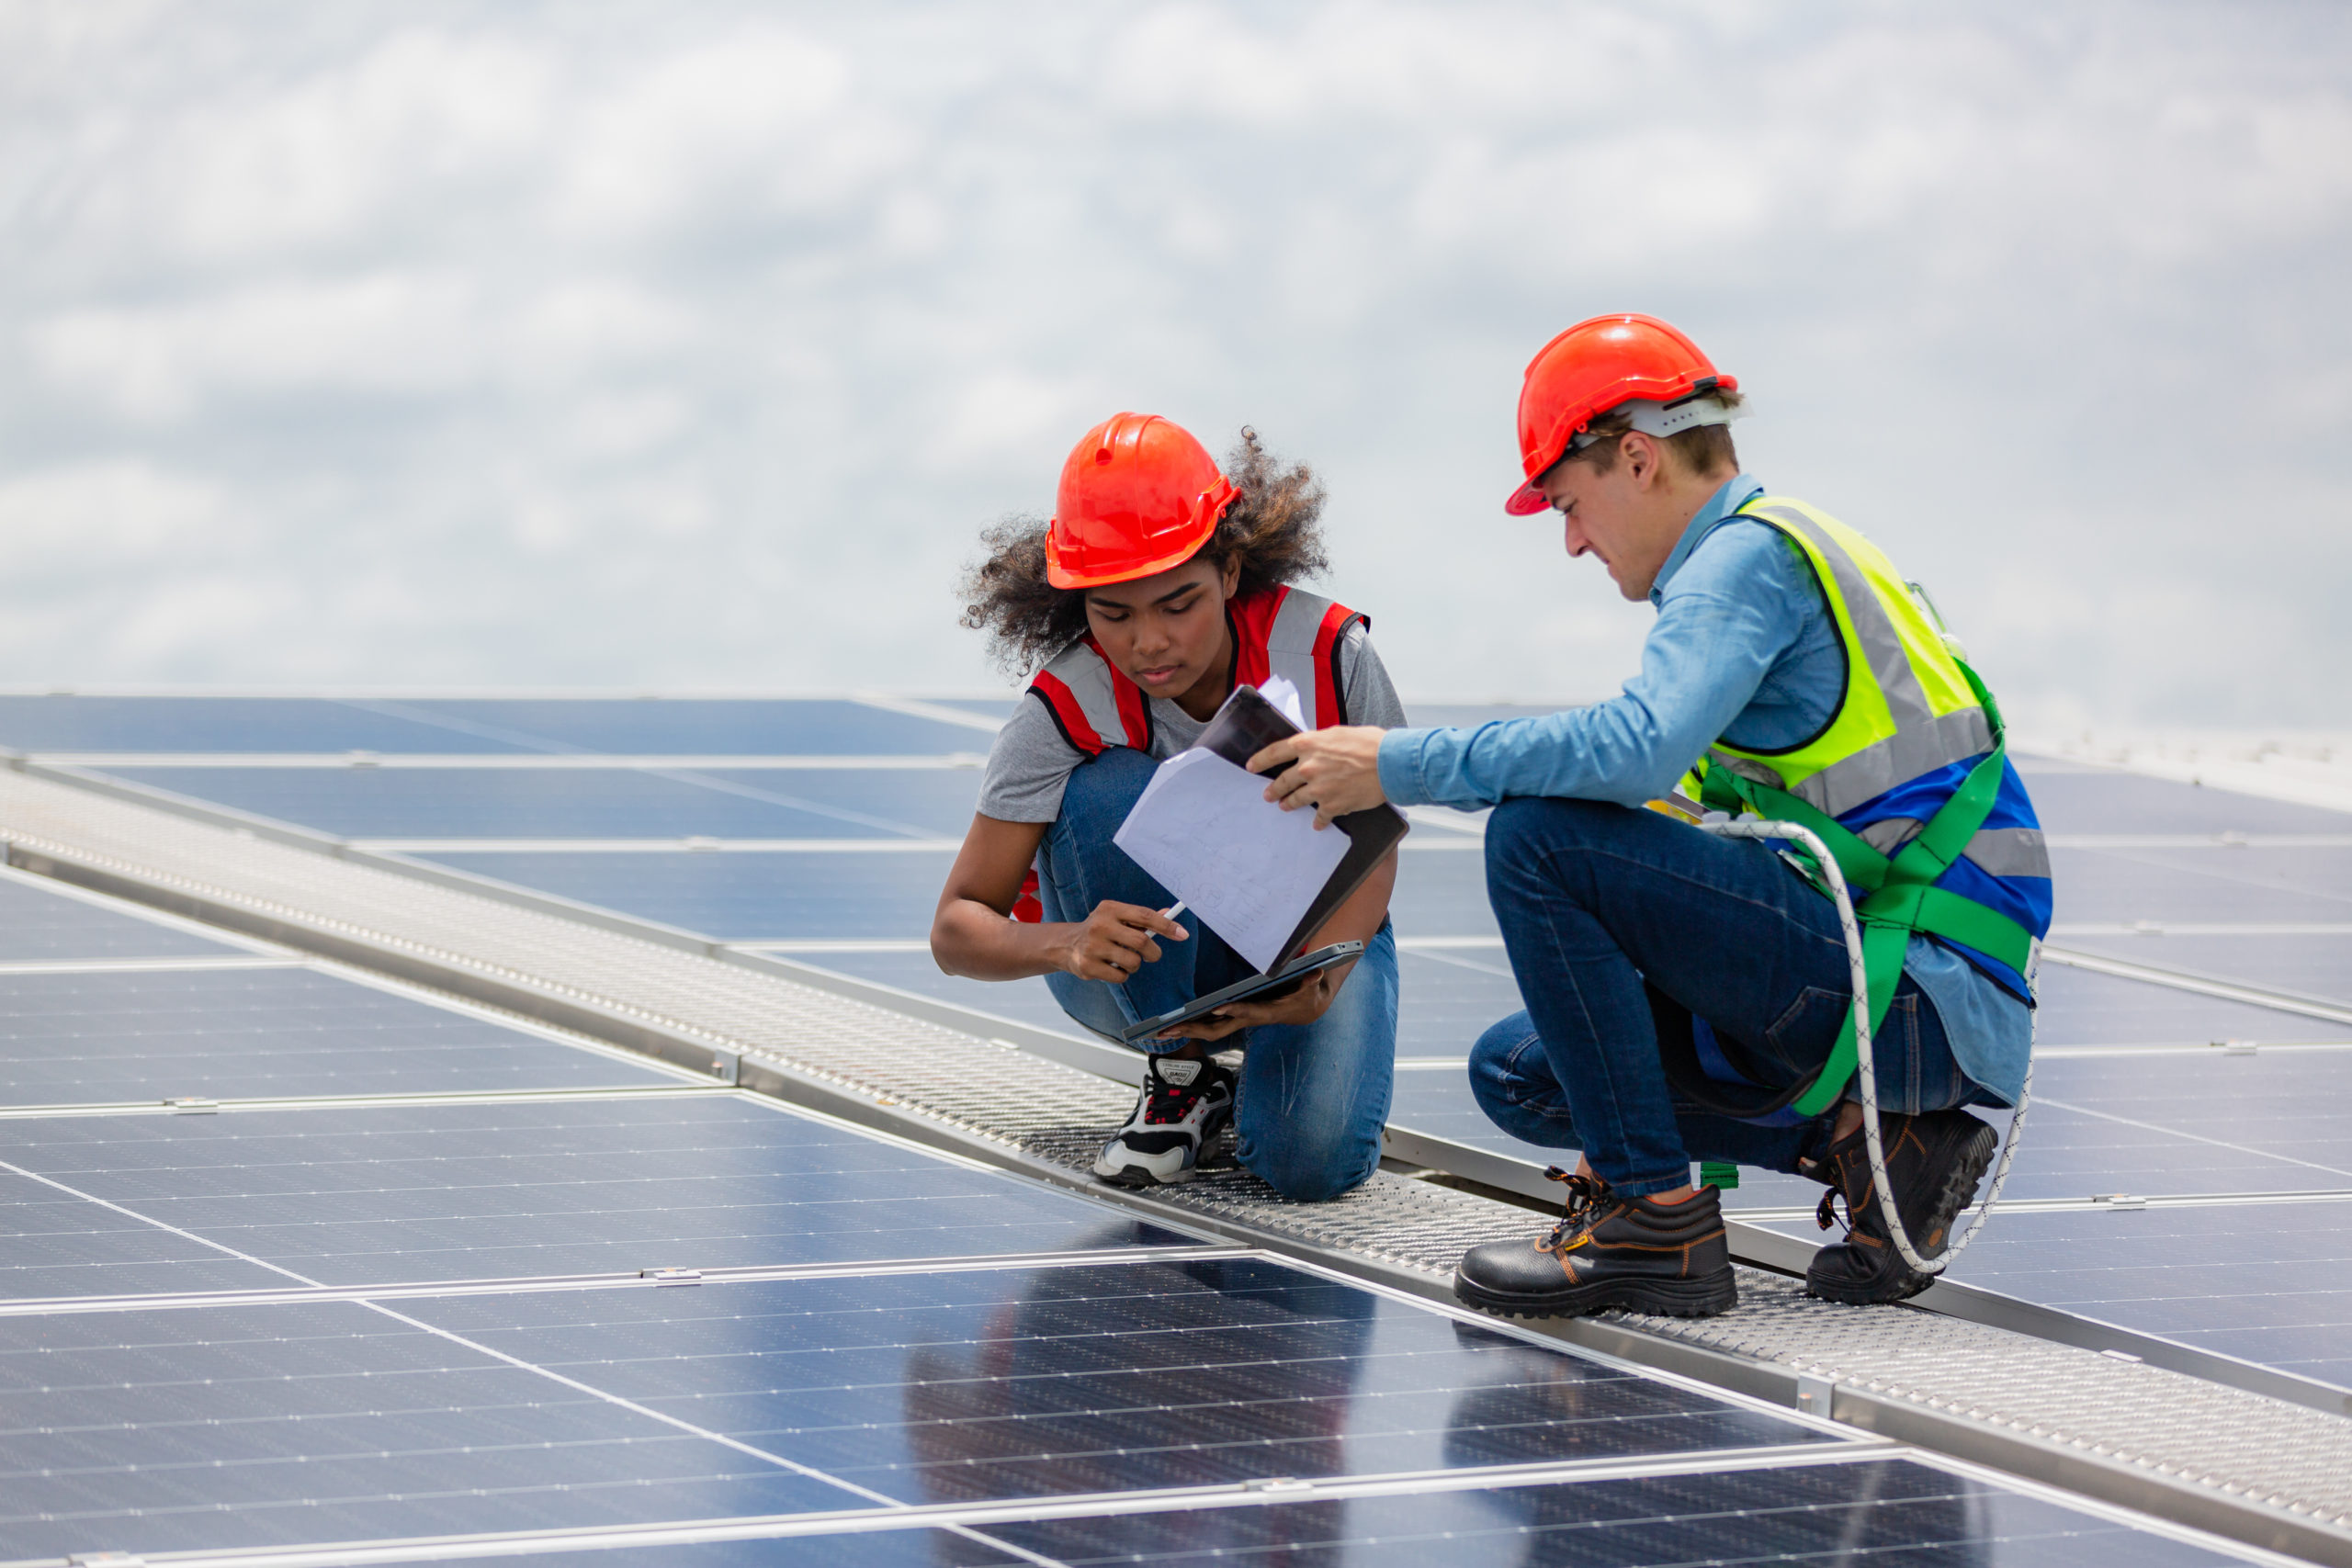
[{"x": 1743, "y": 649}]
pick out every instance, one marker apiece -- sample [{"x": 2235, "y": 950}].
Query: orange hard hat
[
  {"x": 1138, "y": 495},
  {"x": 1591, "y": 369}
]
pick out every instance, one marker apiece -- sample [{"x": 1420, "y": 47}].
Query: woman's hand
[
  {"x": 1116, "y": 940},
  {"x": 1303, "y": 1006}
]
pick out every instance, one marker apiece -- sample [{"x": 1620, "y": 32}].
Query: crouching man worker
[
  {"x": 1689, "y": 995},
  {"x": 1158, "y": 585}
]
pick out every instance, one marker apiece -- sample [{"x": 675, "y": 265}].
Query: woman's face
[{"x": 1168, "y": 631}]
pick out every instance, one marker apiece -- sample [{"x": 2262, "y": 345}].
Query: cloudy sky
[{"x": 687, "y": 344}]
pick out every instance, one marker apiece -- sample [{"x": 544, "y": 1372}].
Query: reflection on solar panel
[
  {"x": 235, "y": 1033},
  {"x": 41, "y": 923},
  {"x": 436, "y": 1296}
]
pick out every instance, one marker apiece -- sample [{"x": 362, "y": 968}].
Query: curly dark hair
[{"x": 1274, "y": 530}]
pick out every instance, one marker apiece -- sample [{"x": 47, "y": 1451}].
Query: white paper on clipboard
[{"x": 1204, "y": 830}]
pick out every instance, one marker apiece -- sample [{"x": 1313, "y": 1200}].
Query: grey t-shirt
[{"x": 1029, "y": 762}]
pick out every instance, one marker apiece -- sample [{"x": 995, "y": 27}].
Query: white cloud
[{"x": 692, "y": 343}]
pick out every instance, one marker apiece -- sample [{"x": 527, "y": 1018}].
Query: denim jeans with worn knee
[
  {"x": 1313, "y": 1096},
  {"x": 1623, "y": 923}
]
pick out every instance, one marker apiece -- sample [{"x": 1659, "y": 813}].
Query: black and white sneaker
[{"x": 1185, "y": 1103}]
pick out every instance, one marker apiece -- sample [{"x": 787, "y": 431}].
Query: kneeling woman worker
[{"x": 1158, "y": 586}]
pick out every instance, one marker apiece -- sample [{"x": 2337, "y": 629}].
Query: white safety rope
[{"x": 1866, "y": 1070}]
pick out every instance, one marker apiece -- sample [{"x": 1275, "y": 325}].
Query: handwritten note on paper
[{"x": 1204, "y": 829}]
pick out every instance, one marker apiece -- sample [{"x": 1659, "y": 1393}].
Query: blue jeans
[
  {"x": 1623, "y": 923},
  {"x": 1313, "y": 1096}
]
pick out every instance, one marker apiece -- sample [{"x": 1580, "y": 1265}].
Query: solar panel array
[{"x": 389, "y": 1267}]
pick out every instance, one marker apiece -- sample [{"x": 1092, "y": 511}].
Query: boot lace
[
  {"x": 1587, "y": 1194},
  {"x": 1171, "y": 1102}
]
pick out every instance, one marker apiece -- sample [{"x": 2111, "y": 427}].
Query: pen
[{"x": 1172, "y": 910}]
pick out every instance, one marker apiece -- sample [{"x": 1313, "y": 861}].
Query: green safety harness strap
[{"x": 1894, "y": 897}]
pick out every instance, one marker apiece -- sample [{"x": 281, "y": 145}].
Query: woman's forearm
[{"x": 969, "y": 937}]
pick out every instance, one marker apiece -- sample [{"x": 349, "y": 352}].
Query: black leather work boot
[
  {"x": 1608, "y": 1251},
  {"x": 1934, "y": 1162}
]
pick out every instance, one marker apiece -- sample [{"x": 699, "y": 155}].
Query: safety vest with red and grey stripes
[{"x": 1283, "y": 631}]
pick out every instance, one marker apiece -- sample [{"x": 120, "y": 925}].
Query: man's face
[{"x": 1618, "y": 515}]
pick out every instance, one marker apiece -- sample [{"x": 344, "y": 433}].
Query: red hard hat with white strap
[
  {"x": 1138, "y": 495},
  {"x": 1606, "y": 363}
]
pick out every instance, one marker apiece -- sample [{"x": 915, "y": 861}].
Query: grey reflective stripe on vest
[
  {"x": 1997, "y": 851},
  {"x": 1907, "y": 701},
  {"x": 1088, "y": 676},
  {"x": 1921, "y": 747},
  {"x": 1290, "y": 653}
]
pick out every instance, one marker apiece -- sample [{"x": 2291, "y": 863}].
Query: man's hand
[
  {"x": 1334, "y": 771},
  {"x": 1302, "y": 1005},
  {"x": 1116, "y": 940}
]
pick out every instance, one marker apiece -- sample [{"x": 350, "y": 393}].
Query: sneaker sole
[
  {"x": 1959, "y": 1188},
  {"x": 1660, "y": 1298},
  {"x": 1136, "y": 1178}
]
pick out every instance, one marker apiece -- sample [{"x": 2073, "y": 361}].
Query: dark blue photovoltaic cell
[
  {"x": 543, "y": 803},
  {"x": 1442, "y": 892},
  {"x": 967, "y": 1548},
  {"x": 388, "y": 1193},
  {"x": 747, "y": 895},
  {"x": 38, "y": 925},
  {"x": 704, "y": 726},
  {"x": 2080, "y": 1007},
  {"x": 2319, "y": 966},
  {"x": 224, "y": 724},
  {"x": 2215, "y": 886},
  {"x": 2265, "y": 1282},
  {"x": 2099, "y": 802},
  {"x": 2292, "y": 1104},
  {"x": 223, "y": 1427},
  {"x": 959, "y": 1387},
  {"x": 53, "y": 1244},
  {"x": 939, "y": 801},
  {"x": 1893, "y": 1512},
  {"x": 261, "y": 1033}
]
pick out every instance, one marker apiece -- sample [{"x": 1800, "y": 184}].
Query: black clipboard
[
  {"x": 1283, "y": 979},
  {"x": 1244, "y": 727}
]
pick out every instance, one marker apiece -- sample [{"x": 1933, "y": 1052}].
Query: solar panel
[
  {"x": 390, "y": 1192},
  {"x": 2265, "y": 1282},
  {"x": 563, "y": 803},
  {"x": 55, "y": 1244},
  {"x": 2105, "y": 802},
  {"x": 683, "y": 726},
  {"x": 230, "y": 1427},
  {"x": 1891, "y": 1511},
  {"x": 1038, "y": 1382},
  {"x": 2251, "y": 887},
  {"x": 41, "y": 922},
  {"x": 2284, "y": 1104},
  {"x": 253, "y": 1033},
  {"x": 2081, "y": 1007},
  {"x": 223, "y": 723},
  {"x": 2302, "y": 964}
]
